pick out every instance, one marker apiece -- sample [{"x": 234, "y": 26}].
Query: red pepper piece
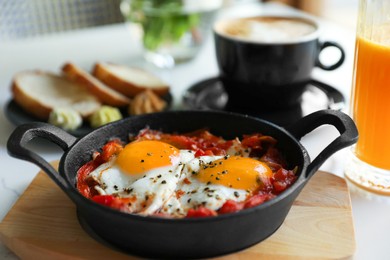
[
  {"x": 201, "y": 212},
  {"x": 230, "y": 206}
]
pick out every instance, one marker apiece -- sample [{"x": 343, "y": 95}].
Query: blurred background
[
  {"x": 343, "y": 12},
  {"x": 28, "y": 18}
]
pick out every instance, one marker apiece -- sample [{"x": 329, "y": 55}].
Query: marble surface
[{"x": 119, "y": 44}]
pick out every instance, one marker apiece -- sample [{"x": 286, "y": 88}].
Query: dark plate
[
  {"x": 210, "y": 94},
  {"x": 16, "y": 115}
]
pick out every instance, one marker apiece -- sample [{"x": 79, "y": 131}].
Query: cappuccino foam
[{"x": 265, "y": 29}]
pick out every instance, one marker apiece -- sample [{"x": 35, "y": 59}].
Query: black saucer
[{"x": 210, "y": 94}]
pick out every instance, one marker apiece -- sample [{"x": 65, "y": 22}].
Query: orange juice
[{"x": 371, "y": 102}]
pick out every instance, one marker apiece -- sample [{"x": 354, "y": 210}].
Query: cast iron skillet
[{"x": 183, "y": 238}]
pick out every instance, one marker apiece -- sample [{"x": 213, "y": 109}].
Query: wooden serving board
[{"x": 43, "y": 225}]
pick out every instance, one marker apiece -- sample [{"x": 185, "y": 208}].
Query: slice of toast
[
  {"x": 97, "y": 88},
  {"x": 129, "y": 81},
  {"x": 38, "y": 93}
]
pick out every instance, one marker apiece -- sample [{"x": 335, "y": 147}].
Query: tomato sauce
[{"x": 202, "y": 143}]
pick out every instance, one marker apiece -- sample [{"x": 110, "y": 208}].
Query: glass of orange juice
[{"x": 369, "y": 165}]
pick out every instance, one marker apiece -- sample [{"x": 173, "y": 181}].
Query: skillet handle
[
  {"x": 23, "y": 134},
  {"x": 343, "y": 123}
]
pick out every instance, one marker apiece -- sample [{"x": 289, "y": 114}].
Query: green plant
[{"x": 163, "y": 21}]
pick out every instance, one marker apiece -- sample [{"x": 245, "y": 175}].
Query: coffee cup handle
[{"x": 325, "y": 45}]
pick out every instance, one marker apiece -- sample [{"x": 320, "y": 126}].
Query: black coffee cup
[{"x": 263, "y": 71}]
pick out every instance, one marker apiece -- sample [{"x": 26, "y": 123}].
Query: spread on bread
[
  {"x": 66, "y": 118},
  {"x": 76, "y": 95},
  {"x": 105, "y": 115}
]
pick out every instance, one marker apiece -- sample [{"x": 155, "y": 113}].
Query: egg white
[
  {"x": 196, "y": 193},
  {"x": 148, "y": 191},
  {"x": 172, "y": 189},
  {"x": 111, "y": 179}
]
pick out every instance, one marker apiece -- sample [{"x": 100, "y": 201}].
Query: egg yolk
[
  {"x": 140, "y": 156},
  {"x": 236, "y": 172}
]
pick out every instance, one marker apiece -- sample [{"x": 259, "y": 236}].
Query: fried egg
[
  {"x": 210, "y": 181},
  {"x": 155, "y": 177},
  {"x": 144, "y": 172}
]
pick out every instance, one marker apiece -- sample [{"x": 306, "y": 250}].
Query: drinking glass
[
  {"x": 173, "y": 30},
  {"x": 369, "y": 165}
]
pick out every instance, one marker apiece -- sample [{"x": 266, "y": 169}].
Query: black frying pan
[{"x": 183, "y": 238}]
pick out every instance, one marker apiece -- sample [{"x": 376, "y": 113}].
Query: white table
[{"x": 115, "y": 43}]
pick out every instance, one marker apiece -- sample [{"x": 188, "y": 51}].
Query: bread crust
[
  {"x": 32, "y": 106},
  {"x": 127, "y": 88},
  {"x": 104, "y": 93},
  {"x": 36, "y": 107}
]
